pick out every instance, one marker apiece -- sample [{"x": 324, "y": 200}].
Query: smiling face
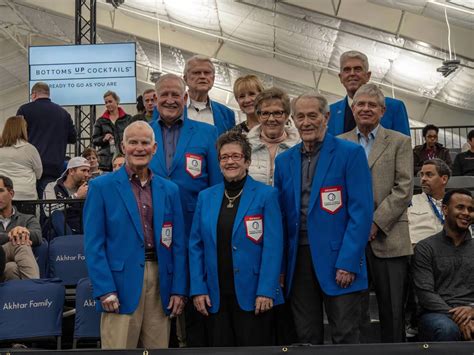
[
  {"x": 246, "y": 100},
  {"x": 272, "y": 117},
  {"x": 110, "y": 103},
  {"x": 353, "y": 75},
  {"x": 367, "y": 112},
  {"x": 459, "y": 213},
  {"x": 200, "y": 76},
  {"x": 309, "y": 120},
  {"x": 138, "y": 146},
  {"x": 171, "y": 100},
  {"x": 232, "y": 162}
]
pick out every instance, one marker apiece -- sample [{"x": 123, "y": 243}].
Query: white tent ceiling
[{"x": 292, "y": 44}]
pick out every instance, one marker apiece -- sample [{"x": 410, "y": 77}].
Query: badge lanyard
[{"x": 435, "y": 210}]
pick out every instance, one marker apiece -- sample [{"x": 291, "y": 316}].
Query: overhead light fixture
[
  {"x": 115, "y": 3},
  {"x": 461, "y": 8},
  {"x": 449, "y": 67},
  {"x": 154, "y": 76}
]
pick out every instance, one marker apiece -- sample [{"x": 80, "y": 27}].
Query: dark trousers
[
  {"x": 307, "y": 299},
  {"x": 389, "y": 277},
  {"x": 231, "y": 326},
  {"x": 196, "y": 327}
]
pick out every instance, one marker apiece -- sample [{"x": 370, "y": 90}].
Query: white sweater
[{"x": 22, "y": 163}]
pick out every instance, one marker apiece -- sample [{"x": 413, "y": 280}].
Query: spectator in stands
[
  {"x": 354, "y": 72},
  {"x": 73, "y": 184},
  {"x": 187, "y": 156},
  {"x": 50, "y": 129},
  {"x": 149, "y": 103},
  {"x": 430, "y": 149},
  {"x": 118, "y": 162},
  {"x": 246, "y": 89},
  {"x": 135, "y": 248},
  {"x": 233, "y": 216},
  {"x": 18, "y": 233},
  {"x": 199, "y": 74},
  {"x": 390, "y": 162},
  {"x": 21, "y": 160},
  {"x": 91, "y": 155},
  {"x": 273, "y": 136},
  {"x": 140, "y": 106},
  {"x": 443, "y": 271},
  {"x": 108, "y": 130},
  {"x": 327, "y": 212},
  {"x": 425, "y": 216},
  {"x": 464, "y": 162}
]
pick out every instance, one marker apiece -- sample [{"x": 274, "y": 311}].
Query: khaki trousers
[
  {"x": 20, "y": 262},
  {"x": 147, "y": 327}
]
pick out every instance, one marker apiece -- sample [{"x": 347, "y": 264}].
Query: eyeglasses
[
  {"x": 233, "y": 157},
  {"x": 266, "y": 115}
]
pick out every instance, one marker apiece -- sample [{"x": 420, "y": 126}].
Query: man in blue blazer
[
  {"x": 199, "y": 74},
  {"x": 187, "y": 156},
  {"x": 326, "y": 200},
  {"x": 135, "y": 248},
  {"x": 354, "y": 72}
]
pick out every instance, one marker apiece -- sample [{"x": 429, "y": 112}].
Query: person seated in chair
[
  {"x": 71, "y": 185},
  {"x": 18, "y": 233}
]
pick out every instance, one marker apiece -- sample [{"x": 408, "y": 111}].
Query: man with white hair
[
  {"x": 199, "y": 73},
  {"x": 354, "y": 72},
  {"x": 135, "y": 248}
]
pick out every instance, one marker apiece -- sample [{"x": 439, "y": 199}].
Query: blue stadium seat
[
  {"x": 87, "y": 322},
  {"x": 31, "y": 309},
  {"x": 66, "y": 259},
  {"x": 41, "y": 256}
]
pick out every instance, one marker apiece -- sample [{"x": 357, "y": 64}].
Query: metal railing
[{"x": 451, "y": 137}]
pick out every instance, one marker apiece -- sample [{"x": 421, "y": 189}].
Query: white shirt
[
  {"x": 200, "y": 111},
  {"x": 422, "y": 220}
]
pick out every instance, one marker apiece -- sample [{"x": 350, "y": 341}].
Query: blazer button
[
  {"x": 234, "y": 247},
  {"x": 236, "y": 270},
  {"x": 142, "y": 265}
]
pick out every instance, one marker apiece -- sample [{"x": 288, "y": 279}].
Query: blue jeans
[{"x": 438, "y": 327}]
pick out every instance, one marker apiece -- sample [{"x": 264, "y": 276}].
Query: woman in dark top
[
  {"x": 235, "y": 251},
  {"x": 108, "y": 130}
]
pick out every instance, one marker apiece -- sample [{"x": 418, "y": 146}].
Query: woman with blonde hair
[
  {"x": 246, "y": 89},
  {"x": 20, "y": 161}
]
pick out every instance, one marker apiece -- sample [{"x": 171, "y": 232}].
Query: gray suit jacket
[{"x": 391, "y": 165}]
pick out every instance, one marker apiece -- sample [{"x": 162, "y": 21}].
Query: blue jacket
[
  {"x": 340, "y": 212},
  {"x": 395, "y": 117},
  {"x": 196, "y": 143},
  {"x": 256, "y": 256},
  {"x": 114, "y": 241}
]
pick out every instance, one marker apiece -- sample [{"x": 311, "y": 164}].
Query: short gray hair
[
  {"x": 322, "y": 101},
  {"x": 354, "y": 54},
  {"x": 141, "y": 124},
  {"x": 165, "y": 77},
  {"x": 441, "y": 167},
  {"x": 198, "y": 58},
  {"x": 371, "y": 90}
]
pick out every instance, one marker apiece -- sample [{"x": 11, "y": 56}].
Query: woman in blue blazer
[{"x": 235, "y": 251}]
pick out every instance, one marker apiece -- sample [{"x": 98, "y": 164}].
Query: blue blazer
[
  {"x": 256, "y": 256},
  {"x": 395, "y": 117},
  {"x": 114, "y": 241},
  {"x": 340, "y": 212},
  {"x": 196, "y": 141},
  {"x": 224, "y": 117}
]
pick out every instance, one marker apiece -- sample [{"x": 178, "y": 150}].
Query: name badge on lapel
[
  {"x": 193, "y": 165},
  {"x": 254, "y": 228},
  {"x": 331, "y": 199},
  {"x": 167, "y": 234}
]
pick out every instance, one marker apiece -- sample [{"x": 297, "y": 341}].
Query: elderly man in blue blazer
[
  {"x": 354, "y": 72},
  {"x": 199, "y": 75},
  {"x": 325, "y": 196},
  {"x": 187, "y": 156},
  {"x": 135, "y": 248}
]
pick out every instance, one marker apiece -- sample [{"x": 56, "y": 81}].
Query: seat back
[
  {"x": 87, "y": 322},
  {"x": 41, "y": 256},
  {"x": 31, "y": 309},
  {"x": 66, "y": 259}
]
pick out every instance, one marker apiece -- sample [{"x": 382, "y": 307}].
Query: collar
[
  {"x": 178, "y": 121},
  {"x": 372, "y": 133},
  {"x": 132, "y": 176},
  {"x": 190, "y": 103},
  {"x": 317, "y": 148},
  {"x": 349, "y": 101},
  {"x": 8, "y": 218},
  {"x": 106, "y": 114},
  {"x": 467, "y": 237}
]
